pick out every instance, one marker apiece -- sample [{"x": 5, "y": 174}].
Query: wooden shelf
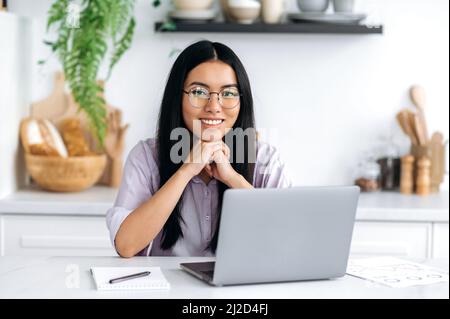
[{"x": 287, "y": 27}]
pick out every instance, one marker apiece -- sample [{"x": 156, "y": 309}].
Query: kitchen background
[{"x": 324, "y": 100}]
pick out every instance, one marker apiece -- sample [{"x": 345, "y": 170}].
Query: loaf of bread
[
  {"x": 40, "y": 137},
  {"x": 73, "y": 137},
  {"x": 43, "y": 149}
]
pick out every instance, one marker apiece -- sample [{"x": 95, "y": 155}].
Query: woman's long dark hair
[{"x": 171, "y": 117}]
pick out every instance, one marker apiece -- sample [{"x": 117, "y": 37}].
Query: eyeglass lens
[{"x": 228, "y": 97}]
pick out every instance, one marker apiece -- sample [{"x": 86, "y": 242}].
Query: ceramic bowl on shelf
[
  {"x": 313, "y": 5},
  {"x": 193, "y": 15},
  {"x": 192, "y": 4},
  {"x": 345, "y": 6},
  {"x": 244, "y": 11}
]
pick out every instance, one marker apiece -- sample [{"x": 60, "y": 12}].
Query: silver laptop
[{"x": 276, "y": 235}]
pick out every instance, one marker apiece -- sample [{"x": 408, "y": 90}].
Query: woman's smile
[{"x": 212, "y": 122}]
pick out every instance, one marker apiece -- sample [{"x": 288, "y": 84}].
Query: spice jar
[
  {"x": 368, "y": 175},
  {"x": 389, "y": 167}
]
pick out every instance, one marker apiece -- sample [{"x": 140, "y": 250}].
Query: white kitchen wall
[
  {"x": 327, "y": 98},
  {"x": 15, "y": 43}
]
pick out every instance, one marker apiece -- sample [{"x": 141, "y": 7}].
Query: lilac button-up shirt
[{"x": 199, "y": 208}]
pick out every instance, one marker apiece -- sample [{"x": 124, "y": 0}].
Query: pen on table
[{"x": 132, "y": 276}]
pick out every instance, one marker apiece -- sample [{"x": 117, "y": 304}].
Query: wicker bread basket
[{"x": 69, "y": 174}]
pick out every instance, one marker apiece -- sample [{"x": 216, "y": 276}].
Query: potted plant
[{"x": 88, "y": 32}]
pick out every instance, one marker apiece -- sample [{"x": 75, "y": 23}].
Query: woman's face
[{"x": 212, "y": 120}]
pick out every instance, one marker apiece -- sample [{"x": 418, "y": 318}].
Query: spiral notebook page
[{"x": 102, "y": 276}]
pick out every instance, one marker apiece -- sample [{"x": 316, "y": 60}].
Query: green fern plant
[{"x": 104, "y": 26}]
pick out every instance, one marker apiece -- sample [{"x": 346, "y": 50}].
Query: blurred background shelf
[{"x": 224, "y": 27}]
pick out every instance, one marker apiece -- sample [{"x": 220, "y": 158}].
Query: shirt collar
[{"x": 198, "y": 180}]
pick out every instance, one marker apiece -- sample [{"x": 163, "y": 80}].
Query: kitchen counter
[
  {"x": 69, "y": 277},
  {"x": 386, "y": 206},
  {"x": 395, "y": 206},
  {"x": 38, "y": 223},
  {"x": 94, "y": 201}
]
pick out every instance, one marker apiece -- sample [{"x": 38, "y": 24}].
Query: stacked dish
[
  {"x": 316, "y": 11},
  {"x": 193, "y": 11},
  {"x": 340, "y": 18}
]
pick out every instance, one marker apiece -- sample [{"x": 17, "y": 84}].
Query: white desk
[{"x": 47, "y": 277}]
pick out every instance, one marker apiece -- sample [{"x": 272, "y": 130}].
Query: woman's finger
[
  {"x": 226, "y": 150},
  {"x": 219, "y": 156},
  {"x": 209, "y": 152}
]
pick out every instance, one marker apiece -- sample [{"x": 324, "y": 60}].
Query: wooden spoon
[
  {"x": 403, "y": 121},
  {"x": 417, "y": 95},
  {"x": 413, "y": 125},
  {"x": 420, "y": 130}
]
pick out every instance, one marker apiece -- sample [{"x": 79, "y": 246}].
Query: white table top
[
  {"x": 95, "y": 201},
  {"x": 47, "y": 277}
]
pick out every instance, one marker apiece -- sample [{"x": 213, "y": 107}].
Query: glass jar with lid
[{"x": 368, "y": 174}]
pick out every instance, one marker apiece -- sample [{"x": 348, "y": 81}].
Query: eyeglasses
[{"x": 228, "y": 97}]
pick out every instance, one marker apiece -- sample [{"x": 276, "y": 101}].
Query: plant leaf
[
  {"x": 122, "y": 45},
  {"x": 82, "y": 50}
]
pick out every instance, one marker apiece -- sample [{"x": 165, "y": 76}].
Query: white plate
[
  {"x": 193, "y": 14},
  {"x": 345, "y": 18}
]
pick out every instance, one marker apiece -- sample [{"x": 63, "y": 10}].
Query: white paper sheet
[{"x": 394, "y": 272}]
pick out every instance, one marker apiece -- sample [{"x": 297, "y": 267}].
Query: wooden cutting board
[
  {"x": 53, "y": 106},
  {"x": 437, "y": 146}
]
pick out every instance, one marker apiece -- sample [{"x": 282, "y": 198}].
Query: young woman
[{"x": 167, "y": 207}]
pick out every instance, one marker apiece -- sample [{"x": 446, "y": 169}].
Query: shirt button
[
  {"x": 207, "y": 193},
  {"x": 207, "y": 217}
]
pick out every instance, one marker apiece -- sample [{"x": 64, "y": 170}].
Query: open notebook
[{"x": 155, "y": 280}]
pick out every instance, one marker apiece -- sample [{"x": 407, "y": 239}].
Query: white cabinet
[
  {"x": 390, "y": 223},
  {"x": 440, "y": 240},
  {"x": 42, "y": 235},
  {"x": 398, "y": 239},
  {"x": 38, "y": 223}
]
